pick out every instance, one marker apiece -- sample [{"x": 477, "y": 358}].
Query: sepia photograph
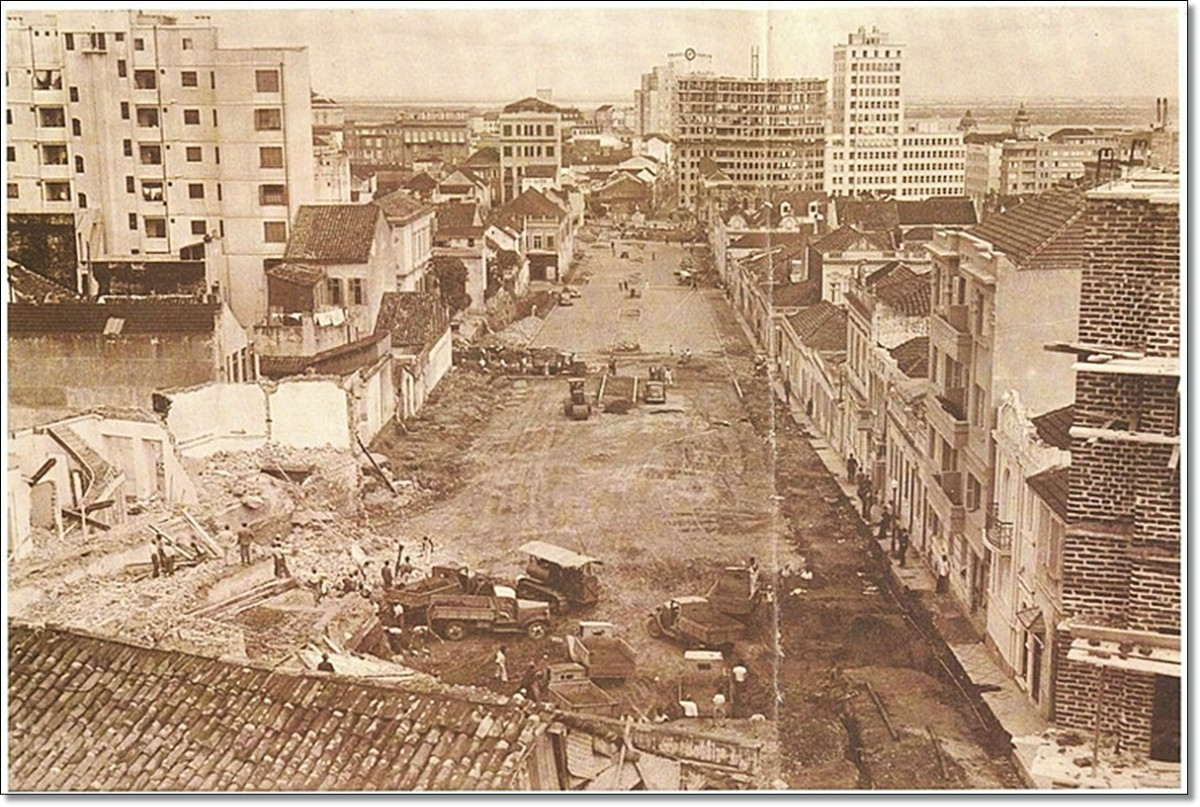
[{"x": 603, "y": 398}]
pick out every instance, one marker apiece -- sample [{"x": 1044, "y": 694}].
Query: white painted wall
[{"x": 310, "y": 413}]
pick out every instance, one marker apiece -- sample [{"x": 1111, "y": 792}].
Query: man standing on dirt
[
  {"x": 386, "y": 574},
  {"x": 501, "y": 662},
  {"x": 885, "y": 526},
  {"x": 168, "y": 557},
  {"x": 225, "y": 539},
  {"x": 278, "y": 556},
  {"x": 427, "y": 548},
  {"x": 244, "y": 540}
]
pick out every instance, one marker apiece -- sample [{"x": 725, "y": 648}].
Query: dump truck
[
  {"x": 558, "y": 576},
  {"x": 596, "y": 647},
  {"x": 416, "y": 596},
  {"x": 694, "y": 622},
  {"x": 656, "y": 386},
  {"x": 452, "y": 616},
  {"x": 570, "y": 688},
  {"x": 576, "y": 406},
  {"x": 736, "y": 591}
]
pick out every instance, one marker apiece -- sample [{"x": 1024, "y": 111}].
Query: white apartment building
[
  {"x": 169, "y": 152},
  {"x": 654, "y": 102},
  {"x": 531, "y": 137},
  {"x": 932, "y": 160}
]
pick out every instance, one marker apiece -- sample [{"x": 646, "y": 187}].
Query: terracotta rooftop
[
  {"x": 415, "y": 319},
  {"x": 1054, "y": 426},
  {"x": 94, "y": 714},
  {"x": 847, "y": 238},
  {"x": 531, "y": 104},
  {"x": 768, "y": 239},
  {"x": 399, "y": 207},
  {"x": 456, "y": 215},
  {"x": 900, "y": 288},
  {"x": 27, "y": 285},
  {"x": 301, "y": 274},
  {"x": 530, "y": 204},
  {"x": 140, "y": 317},
  {"x": 1044, "y": 232},
  {"x": 1052, "y": 487},
  {"x": 936, "y": 210},
  {"x": 421, "y": 183},
  {"x": 333, "y": 234},
  {"x": 487, "y": 156},
  {"x": 822, "y": 326},
  {"x": 912, "y": 357}
]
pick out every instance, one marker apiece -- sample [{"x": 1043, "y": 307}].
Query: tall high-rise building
[
  {"x": 654, "y": 111},
  {"x": 180, "y": 163},
  {"x": 760, "y": 133}
]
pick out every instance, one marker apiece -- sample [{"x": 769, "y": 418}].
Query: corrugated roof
[
  {"x": 415, "y": 319},
  {"x": 94, "y": 714},
  {"x": 1044, "y": 231},
  {"x": 333, "y": 234},
  {"x": 1053, "y": 487},
  {"x": 140, "y": 316},
  {"x": 302, "y": 274},
  {"x": 821, "y": 327},
  {"x": 847, "y": 238},
  {"x": 1054, "y": 427},
  {"x": 912, "y": 357}
]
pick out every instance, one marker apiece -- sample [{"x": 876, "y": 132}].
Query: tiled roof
[
  {"x": 943, "y": 210},
  {"x": 1045, "y": 231},
  {"x": 531, "y": 104},
  {"x": 768, "y": 240},
  {"x": 341, "y": 360},
  {"x": 898, "y": 286},
  {"x": 488, "y": 156},
  {"x": 530, "y": 204},
  {"x": 846, "y": 238},
  {"x": 1052, "y": 487},
  {"x": 868, "y": 214},
  {"x": 912, "y": 357},
  {"x": 821, "y": 327},
  {"x": 421, "y": 183},
  {"x": 399, "y": 207},
  {"x": 94, "y": 714},
  {"x": 302, "y": 274},
  {"x": 456, "y": 215},
  {"x": 333, "y": 234},
  {"x": 776, "y": 261},
  {"x": 140, "y": 316},
  {"x": 415, "y": 319},
  {"x": 29, "y": 286},
  {"x": 795, "y": 295},
  {"x": 709, "y": 169},
  {"x": 1054, "y": 426}
]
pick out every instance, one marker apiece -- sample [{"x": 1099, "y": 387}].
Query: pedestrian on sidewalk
[
  {"x": 902, "y": 545},
  {"x": 941, "y": 568},
  {"x": 501, "y": 662},
  {"x": 885, "y": 526},
  {"x": 864, "y": 495},
  {"x": 851, "y": 464}
]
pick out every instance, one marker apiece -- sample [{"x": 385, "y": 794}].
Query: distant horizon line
[{"x": 602, "y": 99}]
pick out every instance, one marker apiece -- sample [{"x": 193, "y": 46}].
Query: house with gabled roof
[
  {"x": 460, "y": 235},
  {"x": 547, "y": 233},
  {"x": 412, "y": 223},
  {"x": 462, "y": 184},
  {"x": 812, "y": 350},
  {"x": 418, "y": 324}
]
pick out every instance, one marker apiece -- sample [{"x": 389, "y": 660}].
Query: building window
[
  {"x": 150, "y": 154},
  {"x": 145, "y": 80},
  {"x": 54, "y": 155},
  {"x": 156, "y": 227},
  {"x": 191, "y": 117},
  {"x": 974, "y": 493},
  {"x": 507, "y": 130},
  {"x": 73, "y": 94},
  {"x": 508, "y": 151},
  {"x": 334, "y": 286},
  {"x": 139, "y": 43},
  {"x": 358, "y": 291},
  {"x": 83, "y": 200},
  {"x": 133, "y": 221},
  {"x": 270, "y": 157},
  {"x": 76, "y": 127},
  {"x": 124, "y": 110},
  {"x": 266, "y": 80},
  {"x": 47, "y": 79},
  {"x": 13, "y": 192},
  {"x": 550, "y": 129},
  {"x": 268, "y": 120},
  {"x": 127, "y": 147},
  {"x": 152, "y": 191},
  {"x": 122, "y": 70},
  {"x": 188, "y": 79},
  {"x": 272, "y": 194},
  {"x": 199, "y": 227},
  {"x": 78, "y": 164},
  {"x": 129, "y": 186},
  {"x": 549, "y": 151},
  {"x": 195, "y": 190},
  {"x": 193, "y": 154},
  {"x": 69, "y": 41},
  {"x": 58, "y": 191},
  {"x": 275, "y": 232},
  {"x": 10, "y": 153},
  {"x": 187, "y": 43},
  {"x": 52, "y": 117},
  {"x": 147, "y": 116}
]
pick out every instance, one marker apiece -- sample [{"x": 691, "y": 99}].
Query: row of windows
[
  {"x": 877, "y": 67},
  {"x": 874, "y": 92},
  {"x": 356, "y": 288},
  {"x": 875, "y": 79},
  {"x": 874, "y": 54},
  {"x": 529, "y": 130},
  {"x": 937, "y": 154},
  {"x": 529, "y": 151},
  {"x": 874, "y": 104}
]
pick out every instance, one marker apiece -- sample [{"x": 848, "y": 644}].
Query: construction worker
[
  {"x": 501, "y": 662},
  {"x": 278, "y": 555},
  {"x": 326, "y": 665},
  {"x": 225, "y": 539},
  {"x": 245, "y": 538},
  {"x": 386, "y": 574},
  {"x": 168, "y": 557}
]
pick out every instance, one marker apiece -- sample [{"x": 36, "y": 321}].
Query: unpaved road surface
[{"x": 665, "y": 496}]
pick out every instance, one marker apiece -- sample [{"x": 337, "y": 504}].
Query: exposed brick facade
[{"x": 1121, "y": 555}]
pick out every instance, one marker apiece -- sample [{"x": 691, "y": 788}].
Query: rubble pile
[{"x": 518, "y": 334}]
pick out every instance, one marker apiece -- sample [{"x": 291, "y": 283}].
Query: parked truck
[
  {"x": 558, "y": 576},
  {"x": 452, "y": 616},
  {"x": 737, "y": 590},
  {"x": 570, "y": 688},
  {"x": 656, "y": 386},
  {"x": 416, "y": 596},
  {"x": 694, "y": 622},
  {"x": 605, "y": 656}
]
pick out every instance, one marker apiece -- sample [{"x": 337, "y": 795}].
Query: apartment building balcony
[
  {"x": 997, "y": 533},
  {"x": 945, "y": 496},
  {"x": 947, "y": 416},
  {"x": 950, "y": 332}
]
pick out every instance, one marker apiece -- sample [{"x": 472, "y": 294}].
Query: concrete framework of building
[{"x": 170, "y": 153}]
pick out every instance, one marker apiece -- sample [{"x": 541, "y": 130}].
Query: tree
[{"x": 451, "y": 274}]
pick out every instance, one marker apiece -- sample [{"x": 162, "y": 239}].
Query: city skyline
[{"x": 996, "y": 51}]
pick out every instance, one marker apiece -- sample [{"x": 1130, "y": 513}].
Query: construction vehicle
[
  {"x": 558, "y": 576},
  {"x": 416, "y": 596},
  {"x": 656, "y": 387},
  {"x": 576, "y": 406},
  {"x": 452, "y": 616},
  {"x": 736, "y": 591},
  {"x": 596, "y": 647},
  {"x": 694, "y": 622},
  {"x": 570, "y": 688}
]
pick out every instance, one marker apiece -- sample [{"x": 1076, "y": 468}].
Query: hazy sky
[{"x": 494, "y": 51}]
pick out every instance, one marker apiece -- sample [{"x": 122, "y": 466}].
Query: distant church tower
[
  {"x": 967, "y": 123},
  {"x": 1020, "y": 124}
]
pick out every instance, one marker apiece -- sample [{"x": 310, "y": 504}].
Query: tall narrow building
[
  {"x": 169, "y": 163},
  {"x": 531, "y": 138}
]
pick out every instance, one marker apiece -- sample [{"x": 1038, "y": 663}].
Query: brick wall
[{"x": 1078, "y": 686}]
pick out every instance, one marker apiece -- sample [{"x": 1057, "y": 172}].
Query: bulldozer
[{"x": 576, "y": 406}]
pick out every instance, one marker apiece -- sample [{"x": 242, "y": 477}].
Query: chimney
[{"x": 754, "y": 61}]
